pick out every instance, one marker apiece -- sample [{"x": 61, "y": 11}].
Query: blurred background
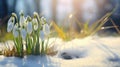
[{"x": 60, "y": 10}]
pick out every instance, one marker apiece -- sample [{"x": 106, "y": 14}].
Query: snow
[{"x": 86, "y": 52}]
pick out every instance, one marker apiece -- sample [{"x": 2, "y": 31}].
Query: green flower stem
[
  {"x": 27, "y": 44},
  {"x": 16, "y": 44},
  {"x": 19, "y": 45},
  {"x": 37, "y": 47},
  {"x": 42, "y": 48},
  {"x": 34, "y": 42}
]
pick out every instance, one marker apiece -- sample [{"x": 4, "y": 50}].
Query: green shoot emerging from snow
[{"x": 31, "y": 35}]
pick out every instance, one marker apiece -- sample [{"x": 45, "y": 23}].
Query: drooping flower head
[
  {"x": 43, "y": 20},
  {"x": 36, "y": 15},
  {"x": 29, "y": 25},
  {"x": 35, "y": 23},
  {"x": 22, "y": 19}
]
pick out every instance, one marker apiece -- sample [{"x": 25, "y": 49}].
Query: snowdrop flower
[
  {"x": 29, "y": 25},
  {"x": 43, "y": 20},
  {"x": 22, "y": 18},
  {"x": 23, "y": 33},
  {"x": 46, "y": 29},
  {"x": 42, "y": 36},
  {"x": 35, "y": 24},
  {"x": 15, "y": 30},
  {"x": 10, "y": 24}
]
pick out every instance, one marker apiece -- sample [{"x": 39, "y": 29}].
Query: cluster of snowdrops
[{"x": 31, "y": 35}]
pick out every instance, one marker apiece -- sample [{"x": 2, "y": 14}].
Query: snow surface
[{"x": 88, "y": 52}]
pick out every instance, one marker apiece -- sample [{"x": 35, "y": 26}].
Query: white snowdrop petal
[
  {"x": 46, "y": 29},
  {"x": 42, "y": 36},
  {"x": 23, "y": 33},
  {"x": 15, "y": 30},
  {"x": 15, "y": 33},
  {"x": 10, "y": 24},
  {"x": 22, "y": 20},
  {"x": 29, "y": 27}
]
